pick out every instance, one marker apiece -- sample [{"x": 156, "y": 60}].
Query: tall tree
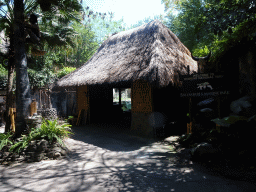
[
  {"x": 217, "y": 24},
  {"x": 22, "y": 83},
  {"x": 59, "y": 35},
  {"x": 147, "y": 20},
  {"x": 23, "y": 99}
]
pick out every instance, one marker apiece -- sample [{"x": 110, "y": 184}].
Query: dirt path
[{"x": 109, "y": 160}]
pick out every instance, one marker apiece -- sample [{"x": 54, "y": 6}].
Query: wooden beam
[{"x": 120, "y": 98}]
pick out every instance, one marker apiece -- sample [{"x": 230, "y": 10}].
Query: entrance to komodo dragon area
[{"x": 147, "y": 60}]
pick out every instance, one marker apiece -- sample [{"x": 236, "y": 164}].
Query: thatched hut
[{"x": 146, "y": 59}]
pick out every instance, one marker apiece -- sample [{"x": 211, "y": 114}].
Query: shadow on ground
[
  {"x": 110, "y": 136},
  {"x": 105, "y": 160}
]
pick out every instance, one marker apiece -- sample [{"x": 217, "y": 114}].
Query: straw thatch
[{"x": 150, "y": 52}]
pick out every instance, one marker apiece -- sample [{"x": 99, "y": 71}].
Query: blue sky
[{"x": 130, "y": 10}]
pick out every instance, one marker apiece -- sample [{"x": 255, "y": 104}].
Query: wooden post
[
  {"x": 190, "y": 124},
  {"x": 33, "y": 108},
  {"x": 11, "y": 112},
  {"x": 219, "y": 103},
  {"x": 120, "y": 99},
  {"x": 40, "y": 102}
]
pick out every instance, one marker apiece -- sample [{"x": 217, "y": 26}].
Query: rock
[
  {"x": 19, "y": 159},
  {"x": 57, "y": 149},
  {"x": 50, "y": 154},
  {"x": 63, "y": 152},
  {"x": 31, "y": 155},
  {"x": 244, "y": 106},
  {"x": 6, "y": 154},
  {"x": 206, "y": 102},
  {"x": 205, "y": 152},
  {"x": 57, "y": 155},
  {"x": 38, "y": 157},
  {"x": 39, "y": 148}
]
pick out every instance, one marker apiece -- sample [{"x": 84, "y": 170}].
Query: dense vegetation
[{"x": 211, "y": 25}]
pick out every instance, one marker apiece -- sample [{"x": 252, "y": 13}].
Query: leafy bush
[
  {"x": 41, "y": 78},
  {"x": 52, "y": 130},
  {"x": 65, "y": 71},
  {"x": 49, "y": 130},
  {"x": 3, "y": 76},
  {"x": 5, "y": 139}
]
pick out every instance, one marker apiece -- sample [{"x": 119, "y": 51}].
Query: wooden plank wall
[
  {"x": 83, "y": 99},
  {"x": 141, "y": 97},
  {"x": 142, "y": 107}
]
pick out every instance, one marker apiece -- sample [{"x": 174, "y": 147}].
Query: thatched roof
[{"x": 150, "y": 52}]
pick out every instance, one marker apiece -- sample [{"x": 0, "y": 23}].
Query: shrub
[
  {"x": 65, "y": 71},
  {"x": 52, "y": 130},
  {"x": 5, "y": 139},
  {"x": 49, "y": 130}
]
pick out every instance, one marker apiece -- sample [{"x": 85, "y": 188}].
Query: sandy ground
[{"x": 107, "y": 159}]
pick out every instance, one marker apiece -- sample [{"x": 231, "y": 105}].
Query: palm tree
[{"x": 14, "y": 16}]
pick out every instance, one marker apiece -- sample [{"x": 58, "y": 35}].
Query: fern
[
  {"x": 5, "y": 139},
  {"x": 49, "y": 130}
]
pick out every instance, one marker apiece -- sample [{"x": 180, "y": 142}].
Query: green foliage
[
  {"x": 49, "y": 130},
  {"x": 190, "y": 24},
  {"x": 201, "y": 52},
  {"x": 147, "y": 20},
  {"x": 218, "y": 25},
  {"x": 52, "y": 130},
  {"x": 227, "y": 121},
  {"x": 102, "y": 24},
  {"x": 41, "y": 78},
  {"x": 65, "y": 71},
  {"x": 3, "y": 76},
  {"x": 70, "y": 117},
  {"x": 56, "y": 30},
  {"x": 3, "y": 71},
  {"x": 25, "y": 140},
  {"x": 5, "y": 139}
]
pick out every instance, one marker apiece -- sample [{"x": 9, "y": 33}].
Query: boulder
[
  {"x": 38, "y": 157},
  {"x": 205, "y": 152},
  {"x": 206, "y": 102},
  {"x": 44, "y": 145},
  {"x": 244, "y": 106},
  {"x": 57, "y": 155}
]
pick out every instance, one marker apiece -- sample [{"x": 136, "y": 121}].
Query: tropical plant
[
  {"x": 3, "y": 77},
  {"x": 53, "y": 131},
  {"x": 102, "y": 24},
  {"x": 5, "y": 139},
  {"x": 211, "y": 25},
  {"x": 65, "y": 71},
  {"x": 147, "y": 20},
  {"x": 13, "y": 20},
  {"x": 49, "y": 130}
]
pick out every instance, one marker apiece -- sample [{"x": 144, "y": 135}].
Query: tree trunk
[
  {"x": 9, "y": 94},
  {"x": 23, "y": 99}
]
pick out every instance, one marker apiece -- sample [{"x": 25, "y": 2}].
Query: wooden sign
[{"x": 204, "y": 85}]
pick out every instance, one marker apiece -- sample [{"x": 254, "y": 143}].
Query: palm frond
[{"x": 30, "y": 6}]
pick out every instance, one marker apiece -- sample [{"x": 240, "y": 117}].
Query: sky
[{"x": 130, "y": 10}]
